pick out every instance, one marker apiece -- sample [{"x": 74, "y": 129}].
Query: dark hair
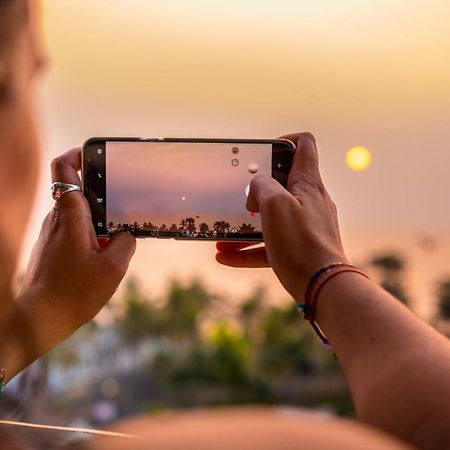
[{"x": 13, "y": 15}]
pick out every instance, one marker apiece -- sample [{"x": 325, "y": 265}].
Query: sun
[{"x": 358, "y": 158}]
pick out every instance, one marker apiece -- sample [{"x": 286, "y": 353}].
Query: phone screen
[{"x": 183, "y": 189}]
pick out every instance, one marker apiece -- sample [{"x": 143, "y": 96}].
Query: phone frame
[{"x": 95, "y": 192}]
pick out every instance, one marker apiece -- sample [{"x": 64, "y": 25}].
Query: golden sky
[{"x": 354, "y": 72}]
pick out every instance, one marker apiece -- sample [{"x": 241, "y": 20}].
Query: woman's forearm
[
  {"x": 18, "y": 344},
  {"x": 30, "y": 328},
  {"x": 397, "y": 366}
]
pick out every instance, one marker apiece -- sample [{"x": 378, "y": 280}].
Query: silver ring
[{"x": 59, "y": 189}]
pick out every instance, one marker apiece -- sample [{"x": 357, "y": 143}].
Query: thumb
[
  {"x": 305, "y": 166},
  {"x": 263, "y": 189},
  {"x": 120, "y": 249}
]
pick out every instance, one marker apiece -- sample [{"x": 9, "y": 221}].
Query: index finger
[
  {"x": 305, "y": 166},
  {"x": 65, "y": 169}
]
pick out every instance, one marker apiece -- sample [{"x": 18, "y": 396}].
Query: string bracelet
[
  {"x": 314, "y": 287},
  {"x": 2, "y": 381}
]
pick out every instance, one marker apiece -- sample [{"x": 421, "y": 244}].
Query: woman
[
  {"x": 396, "y": 365},
  {"x": 69, "y": 277}
]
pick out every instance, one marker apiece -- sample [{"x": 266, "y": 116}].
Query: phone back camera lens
[
  {"x": 235, "y": 150},
  {"x": 235, "y": 162}
]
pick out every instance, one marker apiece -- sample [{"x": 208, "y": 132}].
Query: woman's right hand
[{"x": 300, "y": 226}]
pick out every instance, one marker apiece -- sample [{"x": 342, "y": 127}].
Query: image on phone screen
[{"x": 187, "y": 190}]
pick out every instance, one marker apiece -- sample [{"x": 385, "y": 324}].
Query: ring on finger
[{"x": 59, "y": 189}]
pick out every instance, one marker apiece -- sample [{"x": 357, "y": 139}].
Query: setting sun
[{"x": 358, "y": 158}]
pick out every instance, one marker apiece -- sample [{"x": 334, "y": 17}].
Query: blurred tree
[
  {"x": 230, "y": 353},
  {"x": 251, "y": 312},
  {"x": 444, "y": 299},
  {"x": 286, "y": 347},
  {"x": 141, "y": 319},
  {"x": 392, "y": 268},
  {"x": 183, "y": 307},
  {"x": 220, "y": 359}
]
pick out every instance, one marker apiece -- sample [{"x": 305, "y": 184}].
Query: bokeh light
[{"x": 110, "y": 388}]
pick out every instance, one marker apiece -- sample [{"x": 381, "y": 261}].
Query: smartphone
[{"x": 192, "y": 189}]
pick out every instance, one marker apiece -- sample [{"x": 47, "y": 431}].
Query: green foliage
[
  {"x": 177, "y": 318},
  {"x": 285, "y": 347},
  {"x": 230, "y": 353},
  {"x": 254, "y": 353},
  {"x": 183, "y": 307},
  {"x": 140, "y": 319},
  {"x": 221, "y": 359}
]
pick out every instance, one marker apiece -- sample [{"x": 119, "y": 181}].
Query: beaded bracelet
[
  {"x": 2, "y": 381},
  {"x": 313, "y": 288}
]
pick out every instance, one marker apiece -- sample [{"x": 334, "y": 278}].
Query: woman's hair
[{"x": 13, "y": 14}]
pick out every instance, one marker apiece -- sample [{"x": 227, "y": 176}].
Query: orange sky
[{"x": 354, "y": 72}]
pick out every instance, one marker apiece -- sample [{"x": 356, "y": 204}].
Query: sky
[{"x": 352, "y": 72}]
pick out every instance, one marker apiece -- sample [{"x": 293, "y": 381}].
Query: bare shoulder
[{"x": 247, "y": 428}]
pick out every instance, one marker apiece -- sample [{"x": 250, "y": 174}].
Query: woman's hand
[
  {"x": 300, "y": 226},
  {"x": 70, "y": 276}
]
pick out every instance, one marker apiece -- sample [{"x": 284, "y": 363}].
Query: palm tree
[
  {"x": 221, "y": 226},
  {"x": 246, "y": 228},
  {"x": 188, "y": 225},
  {"x": 203, "y": 228}
]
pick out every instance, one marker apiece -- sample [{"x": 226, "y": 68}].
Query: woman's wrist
[
  {"x": 316, "y": 263},
  {"x": 48, "y": 318},
  {"x": 18, "y": 343}
]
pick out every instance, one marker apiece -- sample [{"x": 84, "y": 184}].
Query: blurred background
[{"x": 182, "y": 330}]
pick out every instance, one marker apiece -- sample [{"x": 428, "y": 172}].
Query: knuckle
[
  {"x": 321, "y": 188},
  {"x": 114, "y": 267},
  {"x": 272, "y": 201},
  {"x": 307, "y": 136},
  {"x": 56, "y": 164},
  {"x": 334, "y": 206}
]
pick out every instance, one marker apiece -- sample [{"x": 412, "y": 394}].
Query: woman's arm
[
  {"x": 397, "y": 367},
  {"x": 69, "y": 278}
]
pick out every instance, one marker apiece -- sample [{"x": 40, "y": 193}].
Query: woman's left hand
[{"x": 70, "y": 276}]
